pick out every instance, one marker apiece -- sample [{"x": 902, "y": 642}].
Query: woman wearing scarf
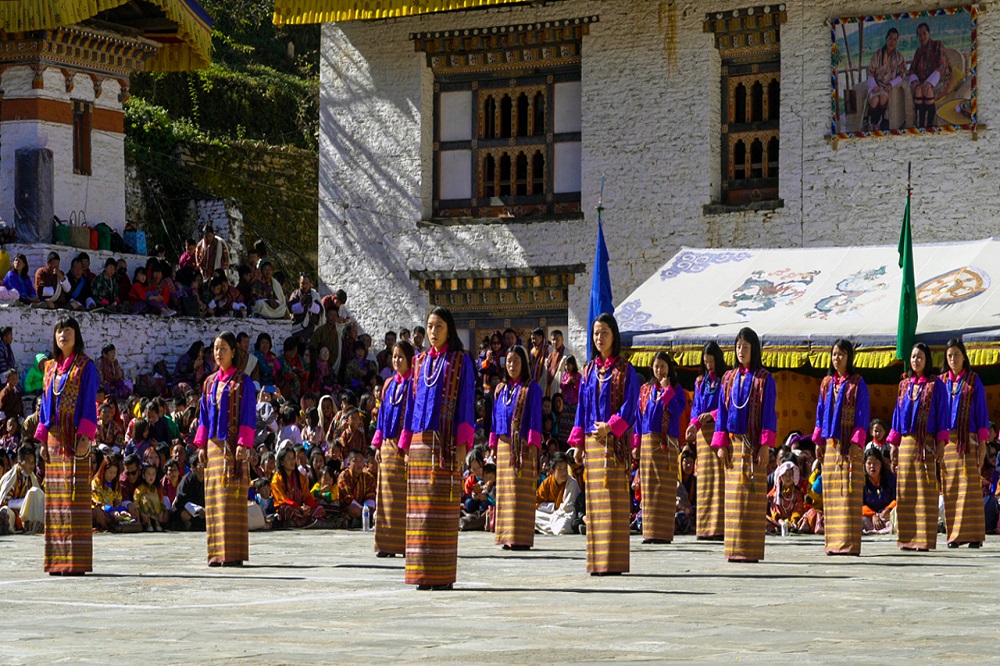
[
  {"x": 842, "y": 416},
  {"x": 609, "y": 395},
  {"x": 745, "y": 429},
  {"x": 968, "y": 425},
  {"x": 657, "y": 429},
  {"x": 67, "y": 424},
  {"x": 226, "y": 421},
  {"x": 711, "y": 514},
  {"x": 516, "y": 436},
  {"x": 390, "y": 502},
  {"x": 437, "y": 433},
  {"x": 919, "y": 420}
]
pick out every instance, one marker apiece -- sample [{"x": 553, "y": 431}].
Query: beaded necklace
[
  {"x": 433, "y": 371},
  {"x": 739, "y": 387}
]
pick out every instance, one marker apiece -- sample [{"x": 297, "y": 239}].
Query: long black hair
[
  {"x": 67, "y": 322},
  {"x": 928, "y": 368},
  {"x": 955, "y": 342},
  {"x": 229, "y": 338},
  {"x": 616, "y": 337},
  {"x": 846, "y": 347},
  {"x": 750, "y": 336},
  {"x": 715, "y": 351},
  {"x": 454, "y": 342},
  {"x": 525, "y": 370},
  {"x": 671, "y": 368}
]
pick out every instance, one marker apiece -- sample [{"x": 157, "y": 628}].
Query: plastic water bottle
[
  {"x": 366, "y": 519},
  {"x": 784, "y": 528}
]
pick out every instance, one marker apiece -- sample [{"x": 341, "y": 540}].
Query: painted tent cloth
[{"x": 805, "y": 298}]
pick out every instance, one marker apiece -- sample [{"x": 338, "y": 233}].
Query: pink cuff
[
  {"x": 87, "y": 428},
  {"x": 575, "y": 437},
  {"x": 201, "y": 437},
  {"x": 720, "y": 439},
  {"x": 535, "y": 439},
  {"x": 42, "y": 433},
  {"x": 859, "y": 437},
  {"x": 377, "y": 440},
  {"x": 636, "y": 440},
  {"x": 465, "y": 435},
  {"x": 246, "y": 437},
  {"x": 715, "y": 414},
  {"x": 983, "y": 435},
  {"x": 668, "y": 394},
  {"x": 894, "y": 438},
  {"x": 618, "y": 425},
  {"x": 817, "y": 436},
  {"x": 942, "y": 436},
  {"x": 768, "y": 438},
  {"x": 494, "y": 440},
  {"x": 405, "y": 437}
]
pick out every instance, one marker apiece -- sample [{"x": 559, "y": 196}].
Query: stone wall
[
  {"x": 140, "y": 341},
  {"x": 37, "y": 255},
  {"x": 650, "y": 107}
]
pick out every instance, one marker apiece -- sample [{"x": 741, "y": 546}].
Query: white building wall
[
  {"x": 650, "y": 109},
  {"x": 102, "y": 195}
]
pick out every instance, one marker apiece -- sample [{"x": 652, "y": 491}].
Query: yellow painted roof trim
[
  {"x": 300, "y": 12},
  {"x": 191, "y": 48}
]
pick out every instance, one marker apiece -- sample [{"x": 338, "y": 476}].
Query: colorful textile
[
  {"x": 711, "y": 514},
  {"x": 843, "y": 495},
  {"x": 68, "y": 404},
  {"x": 397, "y": 398},
  {"x": 843, "y": 411},
  {"x": 608, "y": 505},
  {"x": 517, "y": 415},
  {"x": 228, "y": 410},
  {"x": 658, "y": 463},
  {"x": 609, "y": 393},
  {"x": 747, "y": 407},
  {"x": 961, "y": 488},
  {"x": 921, "y": 409},
  {"x": 358, "y": 488},
  {"x": 707, "y": 394},
  {"x": 69, "y": 547},
  {"x": 226, "y": 489},
  {"x": 390, "y": 501},
  {"x": 659, "y": 411},
  {"x": 966, "y": 408},
  {"x": 746, "y": 503},
  {"x": 444, "y": 396},
  {"x": 432, "y": 514},
  {"x": 917, "y": 493},
  {"x": 515, "y": 514}
]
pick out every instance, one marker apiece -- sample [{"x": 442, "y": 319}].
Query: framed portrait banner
[{"x": 906, "y": 73}]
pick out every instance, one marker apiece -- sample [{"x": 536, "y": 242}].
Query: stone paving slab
[{"x": 322, "y": 597}]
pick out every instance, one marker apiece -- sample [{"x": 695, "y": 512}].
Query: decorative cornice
[
  {"x": 753, "y": 28},
  {"x": 95, "y": 52}
]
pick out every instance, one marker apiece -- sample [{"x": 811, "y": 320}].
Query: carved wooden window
[
  {"x": 507, "y": 147},
  {"x": 82, "y": 126}
]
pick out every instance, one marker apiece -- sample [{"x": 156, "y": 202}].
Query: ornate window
[
  {"x": 507, "y": 123},
  {"x": 749, "y": 43},
  {"x": 82, "y": 125}
]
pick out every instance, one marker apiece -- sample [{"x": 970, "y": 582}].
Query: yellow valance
[
  {"x": 188, "y": 47},
  {"x": 298, "y": 12}
]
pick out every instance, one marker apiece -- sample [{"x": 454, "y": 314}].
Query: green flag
[{"x": 906, "y": 328}]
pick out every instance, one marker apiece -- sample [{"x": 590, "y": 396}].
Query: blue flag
[{"x": 600, "y": 287}]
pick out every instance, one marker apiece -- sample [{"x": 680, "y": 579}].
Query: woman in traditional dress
[
  {"x": 516, "y": 436},
  {"x": 657, "y": 429},
  {"x": 919, "y": 420},
  {"x": 745, "y": 430},
  {"x": 609, "y": 394},
  {"x": 67, "y": 423},
  {"x": 390, "y": 503},
  {"x": 225, "y": 434},
  {"x": 968, "y": 425},
  {"x": 842, "y": 416},
  {"x": 710, "y": 515},
  {"x": 438, "y": 430}
]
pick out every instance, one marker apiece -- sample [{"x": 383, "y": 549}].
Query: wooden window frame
[{"x": 83, "y": 127}]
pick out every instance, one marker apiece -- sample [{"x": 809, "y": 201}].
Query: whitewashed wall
[
  {"x": 650, "y": 105},
  {"x": 101, "y": 195},
  {"x": 140, "y": 341}
]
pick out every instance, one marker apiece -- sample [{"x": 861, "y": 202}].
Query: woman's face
[
  {"x": 66, "y": 340},
  {"x": 603, "y": 338},
  {"x": 918, "y": 361},
  {"x": 873, "y": 467},
  {"x": 956, "y": 359},
  {"x": 687, "y": 465},
  {"x": 660, "y": 369},
  {"x": 324, "y": 354},
  {"x": 709, "y": 362},
  {"x": 399, "y": 362},
  {"x": 149, "y": 475},
  {"x": 288, "y": 461},
  {"x": 110, "y": 473},
  {"x": 327, "y": 407},
  {"x": 18, "y": 265},
  {"x": 744, "y": 352},
  {"x": 476, "y": 468},
  {"x": 878, "y": 432},
  {"x": 557, "y": 404},
  {"x": 437, "y": 331},
  {"x": 839, "y": 359},
  {"x": 265, "y": 345},
  {"x": 513, "y": 366},
  {"x": 223, "y": 353}
]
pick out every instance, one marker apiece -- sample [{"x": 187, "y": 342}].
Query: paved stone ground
[{"x": 322, "y": 597}]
